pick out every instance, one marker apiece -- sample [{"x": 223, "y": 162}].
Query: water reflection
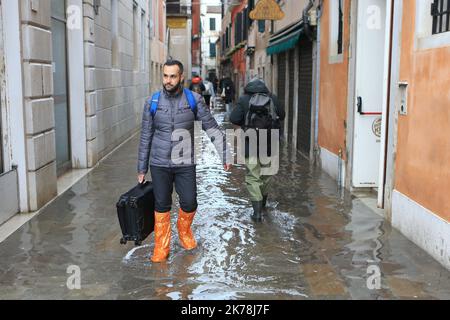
[{"x": 315, "y": 242}]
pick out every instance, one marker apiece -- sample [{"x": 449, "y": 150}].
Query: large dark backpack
[{"x": 262, "y": 113}]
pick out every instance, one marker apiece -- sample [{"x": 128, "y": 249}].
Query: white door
[{"x": 370, "y": 68}]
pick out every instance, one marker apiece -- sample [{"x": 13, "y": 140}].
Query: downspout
[
  {"x": 318, "y": 61},
  {"x": 307, "y": 28}
]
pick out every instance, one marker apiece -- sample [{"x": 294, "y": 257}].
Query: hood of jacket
[{"x": 256, "y": 86}]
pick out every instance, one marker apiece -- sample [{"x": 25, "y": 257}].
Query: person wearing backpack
[
  {"x": 227, "y": 92},
  {"x": 257, "y": 109},
  {"x": 197, "y": 85},
  {"x": 167, "y": 114}
]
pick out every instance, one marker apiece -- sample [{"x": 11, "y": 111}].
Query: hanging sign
[
  {"x": 177, "y": 23},
  {"x": 267, "y": 10}
]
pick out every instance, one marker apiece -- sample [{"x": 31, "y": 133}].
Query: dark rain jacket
[{"x": 239, "y": 113}]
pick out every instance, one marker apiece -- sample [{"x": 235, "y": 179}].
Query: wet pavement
[{"x": 316, "y": 242}]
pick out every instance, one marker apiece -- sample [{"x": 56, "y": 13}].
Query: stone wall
[
  {"x": 38, "y": 101},
  {"x": 116, "y": 84}
]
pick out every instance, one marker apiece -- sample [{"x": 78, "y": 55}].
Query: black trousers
[
  {"x": 185, "y": 180},
  {"x": 207, "y": 100}
]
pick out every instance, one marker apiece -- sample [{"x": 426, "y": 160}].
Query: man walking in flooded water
[
  {"x": 167, "y": 142},
  {"x": 259, "y": 114}
]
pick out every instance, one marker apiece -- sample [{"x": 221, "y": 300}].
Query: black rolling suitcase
[{"x": 135, "y": 210}]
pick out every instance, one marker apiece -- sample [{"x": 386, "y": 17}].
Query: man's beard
[{"x": 173, "y": 90}]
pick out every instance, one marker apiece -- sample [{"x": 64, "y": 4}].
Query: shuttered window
[
  {"x": 238, "y": 28},
  {"x": 246, "y": 24},
  {"x": 440, "y": 11},
  {"x": 261, "y": 26},
  {"x": 212, "y": 50},
  {"x": 341, "y": 27},
  {"x": 227, "y": 43}
]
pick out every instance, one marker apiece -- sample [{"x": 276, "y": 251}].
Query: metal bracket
[
  {"x": 96, "y": 6},
  {"x": 403, "y": 108}
]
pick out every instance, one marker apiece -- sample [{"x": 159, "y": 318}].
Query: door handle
[{"x": 360, "y": 105}]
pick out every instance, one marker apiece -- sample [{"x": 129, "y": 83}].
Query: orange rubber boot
[
  {"x": 162, "y": 237},
  {"x": 184, "y": 230}
]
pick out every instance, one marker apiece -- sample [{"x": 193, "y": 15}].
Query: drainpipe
[
  {"x": 306, "y": 26},
  {"x": 339, "y": 168},
  {"x": 316, "y": 118}
]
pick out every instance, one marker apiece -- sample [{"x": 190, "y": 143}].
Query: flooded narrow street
[{"x": 315, "y": 242}]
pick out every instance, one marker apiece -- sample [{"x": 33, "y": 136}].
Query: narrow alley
[{"x": 315, "y": 242}]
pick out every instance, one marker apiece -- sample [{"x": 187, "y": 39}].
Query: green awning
[
  {"x": 284, "y": 44},
  {"x": 285, "y": 39}
]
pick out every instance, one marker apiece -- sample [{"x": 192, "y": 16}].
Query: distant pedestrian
[
  {"x": 209, "y": 92},
  {"x": 215, "y": 83},
  {"x": 197, "y": 85},
  {"x": 258, "y": 109},
  {"x": 227, "y": 92},
  {"x": 166, "y": 114}
]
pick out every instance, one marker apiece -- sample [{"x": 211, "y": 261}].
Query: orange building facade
[{"x": 384, "y": 117}]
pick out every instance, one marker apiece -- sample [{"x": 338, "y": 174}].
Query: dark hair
[{"x": 171, "y": 62}]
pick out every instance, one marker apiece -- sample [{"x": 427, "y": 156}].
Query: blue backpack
[{"x": 190, "y": 97}]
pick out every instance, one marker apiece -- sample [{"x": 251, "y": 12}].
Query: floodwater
[{"x": 315, "y": 242}]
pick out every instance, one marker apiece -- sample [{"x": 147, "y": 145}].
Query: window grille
[{"x": 440, "y": 11}]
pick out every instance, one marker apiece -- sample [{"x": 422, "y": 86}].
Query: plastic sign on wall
[
  {"x": 267, "y": 10},
  {"x": 177, "y": 23}
]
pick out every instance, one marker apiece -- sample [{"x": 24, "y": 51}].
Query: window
[
  {"x": 212, "y": 50},
  {"x": 212, "y": 24},
  {"x": 251, "y": 5},
  {"x": 245, "y": 24},
  {"x": 261, "y": 26},
  {"x": 238, "y": 29},
  {"x": 173, "y": 6},
  {"x": 432, "y": 24},
  {"x": 336, "y": 46},
  {"x": 340, "y": 28},
  {"x": 440, "y": 11},
  {"x": 227, "y": 38},
  {"x": 151, "y": 15},
  {"x": 229, "y": 35},
  {"x": 114, "y": 34}
]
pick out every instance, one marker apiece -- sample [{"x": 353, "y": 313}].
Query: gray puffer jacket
[{"x": 167, "y": 138}]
